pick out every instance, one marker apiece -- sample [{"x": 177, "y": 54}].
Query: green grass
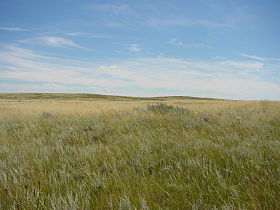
[{"x": 143, "y": 159}]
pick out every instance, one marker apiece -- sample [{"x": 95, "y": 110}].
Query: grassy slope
[
  {"x": 82, "y": 96},
  {"x": 143, "y": 159}
]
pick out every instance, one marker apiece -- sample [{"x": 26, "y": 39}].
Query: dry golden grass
[
  {"x": 117, "y": 154},
  {"x": 13, "y": 109}
]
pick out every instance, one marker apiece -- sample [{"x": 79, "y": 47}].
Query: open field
[{"x": 65, "y": 151}]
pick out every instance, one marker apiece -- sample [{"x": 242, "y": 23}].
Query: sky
[{"x": 206, "y": 48}]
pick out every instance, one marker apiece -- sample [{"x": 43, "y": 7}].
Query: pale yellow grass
[{"x": 27, "y": 109}]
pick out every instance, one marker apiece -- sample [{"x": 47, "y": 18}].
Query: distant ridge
[{"x": 87, "y": 96}]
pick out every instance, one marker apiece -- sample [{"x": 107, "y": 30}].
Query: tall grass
[{"x": 161, "y": 156}]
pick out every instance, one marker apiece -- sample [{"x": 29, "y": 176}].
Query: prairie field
[{"x": 60, "y": 151}]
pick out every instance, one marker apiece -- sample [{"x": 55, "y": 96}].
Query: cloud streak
[
  {"x": 263, "y": 59},
  {"x": 134, "y": 48},
  {"x": 179, "y": 43},
  {"x": 161, "y": 22},
  {"x": 253, "y": 57},
  {"x": 12, "y": 29},
  {"x": 53, "y": 41}
]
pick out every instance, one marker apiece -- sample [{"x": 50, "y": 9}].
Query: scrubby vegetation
[
  {"x": 162, "y": 108},
  {"x": 152, "y": 157}
]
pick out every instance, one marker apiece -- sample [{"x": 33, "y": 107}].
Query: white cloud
[
  {"x": 45, "y": 87},
  {"x": 253, "y": 57},
  {"x": 263, "y": 59},
  {"x": 58, "y": 42},
  {"x": 52, "y": 41},
  {"x": 224, "y": 79},
  {"x": 219, "y": 57},
  {"x": 179, "y": 43},
  {"x": 134, "y": 47},
  {"x": 12, "y": 29},
  {"x": 22, "y": 64},
  {"x": 75, "y": 34},
  {"x": 89, "y": 35},
  {"x": 243, "y": 65},
  {"x": 115, "y": 71}
]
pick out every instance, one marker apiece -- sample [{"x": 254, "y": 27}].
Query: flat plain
[{"x": 82, "y": 151}]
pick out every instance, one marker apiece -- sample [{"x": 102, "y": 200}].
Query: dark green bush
[{"x": 165, "y": 108}]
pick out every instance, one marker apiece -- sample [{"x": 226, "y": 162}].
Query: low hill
[{"x": 85, "y": 96}]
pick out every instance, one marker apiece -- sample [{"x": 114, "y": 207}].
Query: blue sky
[{"x": 208, "y": 48}]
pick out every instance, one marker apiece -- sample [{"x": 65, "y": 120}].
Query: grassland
[{"x": 105, "y": 152}]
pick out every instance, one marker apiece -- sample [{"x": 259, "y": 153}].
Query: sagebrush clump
[{"x": 162, "y": 108}]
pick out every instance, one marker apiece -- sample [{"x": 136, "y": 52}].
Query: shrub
[
  {"x": 47, "y": 115},
  {"x": 165, "y": 108}
]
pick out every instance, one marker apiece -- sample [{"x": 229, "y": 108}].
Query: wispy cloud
[
  {"x": 75, "y": 34},
  {"x": 179, "y": 43},
  {"x": 58, "y": 42},
  {"x": 26, "y": 65},
  {"x": 161, "y": 22},
  {"x": 235, "y": 18},
  {"x": 43, "y": 87},
  {"x": 116, "y": 15},
  {"x": 224, "y": 79},
  {"x": 12, "y": 29},
  {"x": 253, "y": 57},
  {"x": 126, "y": 15},
  {"x": 90, "y": 35},
  {"x": 263, "y": 59},
  {"x": 53, "y": 41},
  {"x": 114, "y": 8},
  {"x": 134, "y": 48},
  {"x": 247, "y": 66}
]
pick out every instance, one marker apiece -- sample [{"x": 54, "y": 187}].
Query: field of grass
[{"x": 94, "y": 152}]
